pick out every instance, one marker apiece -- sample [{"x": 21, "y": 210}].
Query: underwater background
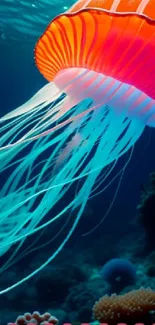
[{"x": 71, "y": 284}]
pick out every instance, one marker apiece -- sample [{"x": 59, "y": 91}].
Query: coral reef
[
  {"x": 35, "y": 318},
  {"x": 76, "y": 277},
  {"x": 130, "y": 308}
]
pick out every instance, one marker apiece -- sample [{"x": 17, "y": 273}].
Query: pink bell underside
[{"x": 80, "y": 83}]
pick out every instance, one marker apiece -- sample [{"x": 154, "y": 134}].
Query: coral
[
  {"x": 131, "y": 307},
  {"x": 119, "y": 273},
  {"x": 35, "y": 318}
]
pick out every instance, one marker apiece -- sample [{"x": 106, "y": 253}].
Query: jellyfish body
[{"x": 99, "y": 61}]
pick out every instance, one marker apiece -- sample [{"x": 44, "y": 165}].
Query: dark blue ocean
[{"x": 69, "y": 286}]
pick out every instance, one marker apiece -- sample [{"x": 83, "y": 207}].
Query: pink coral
[{"x": 35, "y": 318}]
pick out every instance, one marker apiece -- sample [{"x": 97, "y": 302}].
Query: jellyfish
[{"x": 98, "y": 59}]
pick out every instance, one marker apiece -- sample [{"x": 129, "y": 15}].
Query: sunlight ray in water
[{"x": 25, "y": 20}]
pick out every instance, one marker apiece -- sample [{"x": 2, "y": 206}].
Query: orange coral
[{"x": 133, "y": 306}]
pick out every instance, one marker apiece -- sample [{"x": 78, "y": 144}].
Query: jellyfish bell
[
  {"x": 140, "y": 7},
  {"x": 98, "y": 59}
]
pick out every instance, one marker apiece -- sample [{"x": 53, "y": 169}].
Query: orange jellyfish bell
[
  {"x": 103, "y": 49},
  {"x": 145, "y": 7}
]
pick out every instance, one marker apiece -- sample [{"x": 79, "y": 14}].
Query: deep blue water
[{"x": 19, "y": 80}]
